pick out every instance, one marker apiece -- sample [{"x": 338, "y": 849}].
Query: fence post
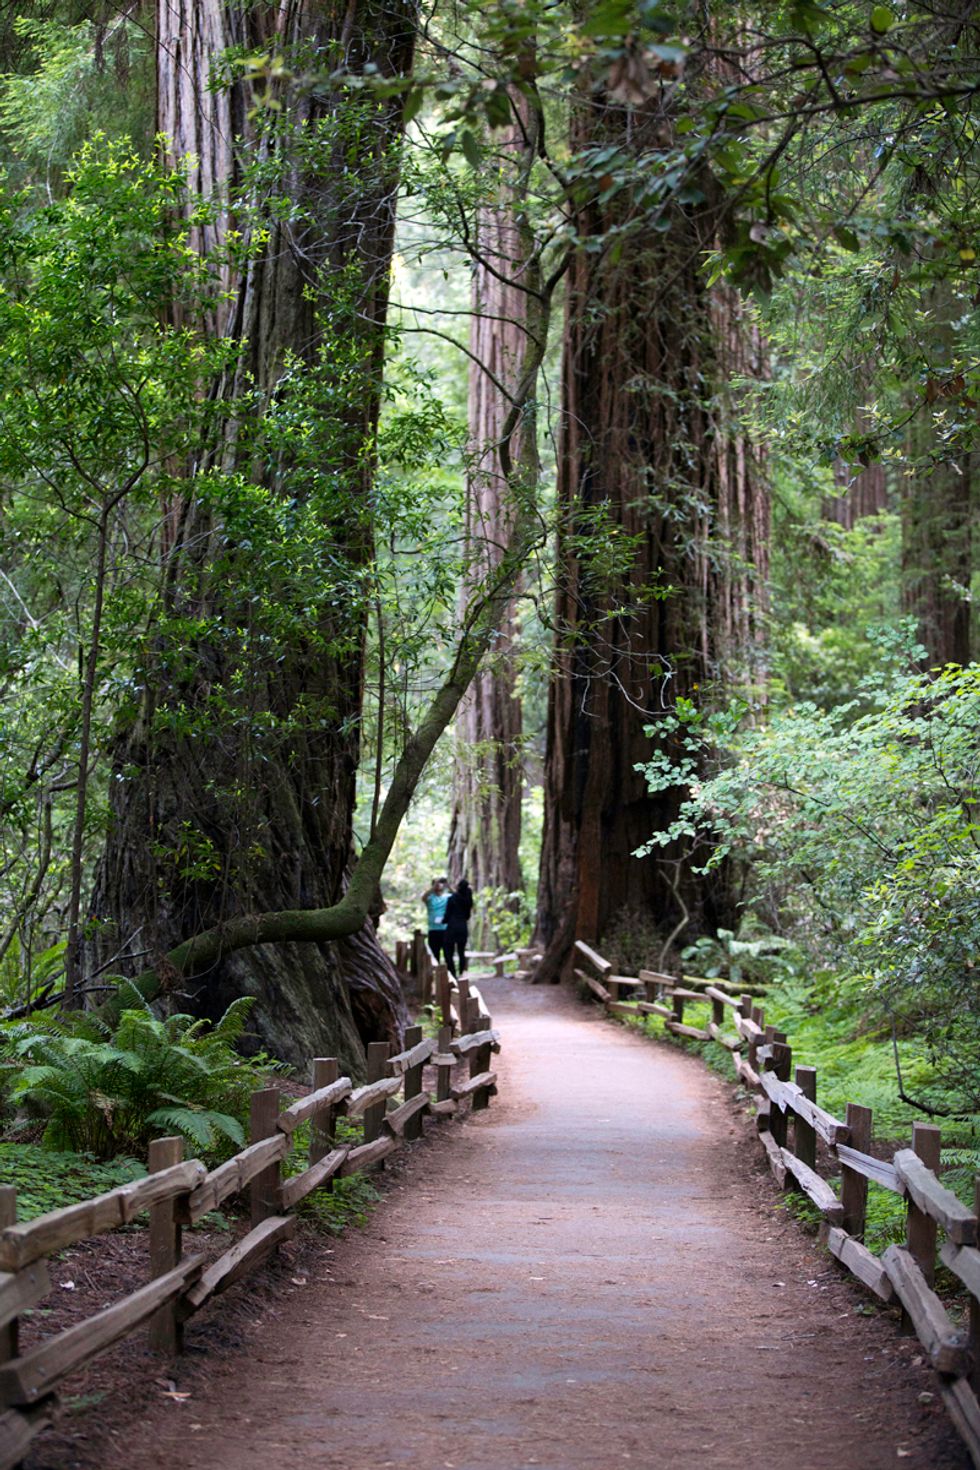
[
  {"x": 264, "y": 1191},
  {"x": 413, "y": 1084},
  {"x": 480, "y": 1062},
  {"x": 463, "y": 1003},
  {"x": 443, "y": 998},
  {"x": 428, "y": 970},
  {"x": 166, "y": 1333},
  {"x": 759, "y": 1017},
  {"x": 920, "y": 1228},
  {"x": 401, "y": 954},
  {"x": 804, "y": 1133},
  {"x": 677, "y": 1008},
  {"x": 377, "y": 1067},
  {"x": 853, "y": 1186},
  {"x": 975, "y": 1302},
  {"x": 718, "y": 1013},
  {"x": 325, "y": 1071},
  {"x": 781, "y": 1063},
  {"x": 9, "y": 1331},
  {"x": 444, "y": 1074}
]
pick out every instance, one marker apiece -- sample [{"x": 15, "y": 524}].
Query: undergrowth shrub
[
  {"x": 751, "y": 958},
  {"x": 632, "y": 941},
  {"x": 860, "y": 826},
  {"x": 346, "y": 1201},
  {"x": 107, "y": 1091},
  {"x": 501, "y": 919}
]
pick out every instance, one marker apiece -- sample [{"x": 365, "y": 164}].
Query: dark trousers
[
  {"x": 437, "y": 944},
  {"x": 455, "y": 944}
]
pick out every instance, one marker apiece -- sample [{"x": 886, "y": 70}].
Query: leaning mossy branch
[{"x": 318, "y": 926}]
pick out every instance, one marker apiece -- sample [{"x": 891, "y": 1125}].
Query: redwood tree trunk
[
  {"x": 647, "y": 452},
  {"x": 937, "y": 558},
  {"x": 861, "y": 493},
  {"x": 234, "y": 785},
  {"x": 484, "y": 842}
]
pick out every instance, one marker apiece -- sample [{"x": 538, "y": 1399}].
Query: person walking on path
[
  {"x": 435, "y": 899},
  {"x": 458, "y": 911}
]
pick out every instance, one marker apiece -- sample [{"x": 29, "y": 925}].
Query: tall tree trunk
[
  {"x": 649, "y": 462},
  {"x": 860, "y": 493},
  {"x": 860, "y": 490},
  {"x": 937, "y": 557},
  {"x": 234, "y": 785},
  {"x": 484, "y": 842}
]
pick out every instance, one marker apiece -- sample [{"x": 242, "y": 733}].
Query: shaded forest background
[{"x": 531, "y": 443}]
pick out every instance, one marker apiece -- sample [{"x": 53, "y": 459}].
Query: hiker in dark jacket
[{"x": 457, "y": 921}]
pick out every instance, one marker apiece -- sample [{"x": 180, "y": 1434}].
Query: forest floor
[{"x": 594, "y": 1272}]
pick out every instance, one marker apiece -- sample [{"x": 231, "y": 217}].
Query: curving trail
[{"x": 577, "y": 1278}]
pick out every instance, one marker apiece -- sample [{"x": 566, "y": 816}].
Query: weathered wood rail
[
  {"x": 799, "y": 1137},
  {"x": 178, "y": 1193}
]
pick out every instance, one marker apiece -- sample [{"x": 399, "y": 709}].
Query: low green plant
[
  {"x": 632, "y": 941},
  {"x": 107, "y": 1092},
  {"x": 346, "y": 1201},
  {"x": 748, "y": 958},
  {"x": 47, "y": 1180},
  {"x": 20, "y": 979}
]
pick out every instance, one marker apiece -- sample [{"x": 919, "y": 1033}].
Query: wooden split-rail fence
[
  {"x": 800, "y": 1137},
  {"x": 414, "y": 957},
  {"x": 179, "y": 1192}
]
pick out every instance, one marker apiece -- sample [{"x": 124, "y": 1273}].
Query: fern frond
[
  {"x": 231, "y": 1025},
  {"x": 193, "y": 1125}
]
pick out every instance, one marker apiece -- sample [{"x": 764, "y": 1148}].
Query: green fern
[
  {"x": 110, "y": 1093},
  {"x": 200, "y": 1127}
]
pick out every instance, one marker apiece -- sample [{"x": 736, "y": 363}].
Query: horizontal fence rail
[
  {"x": 790, "y": 1123},
  {"x": 179, "y": 1192}
]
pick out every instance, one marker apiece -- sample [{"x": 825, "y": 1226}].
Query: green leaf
[
  {"x": 882, "y": 20},
  {"x": 471, "y": 149},
  {"x": 413, "y": 105}
]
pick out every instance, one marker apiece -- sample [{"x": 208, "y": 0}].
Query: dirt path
[{"x": 577, "y": 1278}]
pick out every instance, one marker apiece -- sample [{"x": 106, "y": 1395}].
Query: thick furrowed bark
[
  {"x": 648, "y": 448},
  {"x": 336, "y": 921}
]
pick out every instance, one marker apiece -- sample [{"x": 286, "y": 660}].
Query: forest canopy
[{"x": 534, "y": 441}]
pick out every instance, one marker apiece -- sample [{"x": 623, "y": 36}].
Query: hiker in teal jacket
[{"x": 435, "y": 900}]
